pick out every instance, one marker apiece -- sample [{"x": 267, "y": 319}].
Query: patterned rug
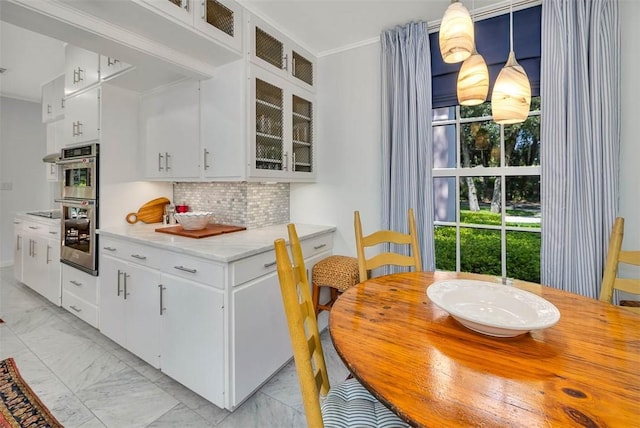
[{"x": 19, "y": 405}]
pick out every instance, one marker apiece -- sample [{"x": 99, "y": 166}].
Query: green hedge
[{"x": 480, "y": 249}]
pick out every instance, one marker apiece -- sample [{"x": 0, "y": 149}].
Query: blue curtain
[
  {"x": 406, "y": 134},
  {"x": 580, "y": 134}
]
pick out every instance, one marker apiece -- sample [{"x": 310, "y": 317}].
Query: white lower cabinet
[
  {"x": 37, "y": 256},
  {"x": 192, "y": 336},
  {"x": 129, "y": 302},
  {"x": 80, "y": 294},
  {"x": 217, "y": 328}
]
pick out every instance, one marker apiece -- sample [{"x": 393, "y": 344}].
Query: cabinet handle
[
  {"x": 160, "y": 157},
  {"x": 293, "y": 65},
  {"x": 118, "y": 291},
  {"x": 285, "y": 61},
  {"x": 162, "y": 308},
  {"x": 34, "y": 227},
  {"x": 53, "y": 233},
  {"x": 187, "y": 5},
  {"x": 285, "y": 161},
  {"x": 270, "y": 264},
  {"x": 204, "y": 12},
  {"x": 108, "y": 248},
  {"x": 139, "y": 257},
  {"x": 75, "y": 309},
  {"x": 75, "y": 76},
  {"x": 166, "y": 161},
  {"x": 124, "y": 276},
  {"x": 33, "y": 246},
  {"x": 73, "y": 129},
  {"x": 80, "y": 72},
  {"x": 47, "y": 258},
  {"x": 62, "y": 103},
  {"x": 206, "y": 155},
  {"x": 317, "y": 247},
  {"x": 293, "y": 161},
  {"x": 112, "y": 61},
  {"x": 76, "y": 283},
  {"x": 18, "y": 240},
  {"x": 185, "y": 269},
  {"x": 80, "y": 125},
  {"x": 49, "y": 109}
]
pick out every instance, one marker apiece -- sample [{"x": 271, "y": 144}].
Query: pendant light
[
  {"x": 456, "y": 33},
  {"x": 473, "y": 79},
  {"x": 511, "y": 98}
]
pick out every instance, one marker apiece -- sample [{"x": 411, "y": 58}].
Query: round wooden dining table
[{"x": 433, "y": 372}]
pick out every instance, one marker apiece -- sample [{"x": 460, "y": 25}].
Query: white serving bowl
[{"x": 194, "y": 220}]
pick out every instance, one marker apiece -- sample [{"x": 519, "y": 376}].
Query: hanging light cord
[{"x": 511, "y": 24}]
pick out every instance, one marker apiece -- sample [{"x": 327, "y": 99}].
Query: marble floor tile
[
  {"x": 261, "y": 411},
  {"x": 126, "y": 399},
  {"x": 180, "y": 416}
]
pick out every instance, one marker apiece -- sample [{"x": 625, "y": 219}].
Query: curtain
[
  {"x": 406, "y": 134},
  {"x": 580, "y": 135}
]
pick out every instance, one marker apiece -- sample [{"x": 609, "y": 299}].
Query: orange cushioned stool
[{"x": 337, "y": 272}]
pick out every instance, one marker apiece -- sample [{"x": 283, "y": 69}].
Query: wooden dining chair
[
  {"x": 381, "y": 237},
  {"x": 610, "y": 279},
  {"x": 348, "y": 404}
]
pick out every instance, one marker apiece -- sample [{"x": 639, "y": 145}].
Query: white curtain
[
  {"x": 580, "y": 135},
  {"x": 406, "y": 134}
]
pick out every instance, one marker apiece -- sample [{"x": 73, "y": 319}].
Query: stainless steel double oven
[{"x": 79, "y": 205}]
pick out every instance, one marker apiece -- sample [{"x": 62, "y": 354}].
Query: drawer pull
[
  {"x": 109, "y": 248},
  {"x": 186, "y": 269},
  {"x": 34, "y": 227},
  {"x": 53, "y": 233},
  {"x": 269, "y": 264},
  {"x": 162, "y": 308},
  {"x": 317, "y": 247},
  {"x": 75, "y": 309},
  {"x": 76, "y": 283},
  {"x": 139, "y": 257}
]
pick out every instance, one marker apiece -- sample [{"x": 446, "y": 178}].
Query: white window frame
[{"x": 502, "y": 171}]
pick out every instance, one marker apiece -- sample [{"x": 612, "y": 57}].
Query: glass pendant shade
[
  {"x": 456, "y": 34},
  {"x": 473, "y": 81},
  {"x": 511, "y": 98}
]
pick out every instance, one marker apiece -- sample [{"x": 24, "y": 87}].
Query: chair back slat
[
  {"x": 380, "y": 237},
  {"x": 630, "y": 257}
]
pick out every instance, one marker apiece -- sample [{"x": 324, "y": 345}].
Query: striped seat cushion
[{"x": 351, "y": 405}]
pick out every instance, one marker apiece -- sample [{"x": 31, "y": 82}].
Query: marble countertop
[
  {"x": 37, "y": 218},
  {"x": 227, "y": 247}
]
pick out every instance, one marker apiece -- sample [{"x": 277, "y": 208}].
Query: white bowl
[
  {"x": 194, "y": 220},
  {"x": 493, "y": 309}
]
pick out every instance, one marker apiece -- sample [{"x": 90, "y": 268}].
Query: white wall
[
  {"x": 348, "y": 141},
  {"x": 629, "y": 206},
  {"x": 348, "y": 149},
  {"x": 22, "y": 146}
]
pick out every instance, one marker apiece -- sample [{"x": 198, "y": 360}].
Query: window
[{"x": 486, "y": 181}]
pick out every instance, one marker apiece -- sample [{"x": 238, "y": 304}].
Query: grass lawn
[{"x": 480, "y": 248}]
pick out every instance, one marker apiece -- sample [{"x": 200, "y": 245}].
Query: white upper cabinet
[
  {"x": 82, "y": 69},
  {"x": 82, "y": 117},
  {"x": 276, "y": 53},
  {"x": 53, "y": 100},
  {"x": 169, "y": 132},
  {"x": 219, "y": 19}
]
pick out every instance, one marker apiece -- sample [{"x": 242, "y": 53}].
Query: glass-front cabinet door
[
  {"x": 282, "y": 139},
  {"x": 278, "y": 54},
  {"x": 221, "y": 19}
]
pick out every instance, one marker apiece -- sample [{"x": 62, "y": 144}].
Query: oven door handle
[
  {"x": 84, "y": 161},
  {"x": 77, "y": 202}
]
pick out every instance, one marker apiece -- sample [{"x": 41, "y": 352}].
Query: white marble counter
[
  {"x": 39, "y": 219},
  {"x": 227, "y": 247}
]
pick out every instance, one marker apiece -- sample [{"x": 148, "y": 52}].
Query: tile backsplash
[{"x": 251, "y": 205}]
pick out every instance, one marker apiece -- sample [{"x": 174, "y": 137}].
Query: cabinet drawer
[
  {"x": 193, "y": 268},
  {"x": 132, "y": 252},
  {"x": 80, "y": 308},
  {"x": 80, "y": 287},
  {"x": 261, "y": 264},
  {"x": 316, "y": 245},
  {"x": 252, "y": 267},
  {"x": 80, "y": 284}
]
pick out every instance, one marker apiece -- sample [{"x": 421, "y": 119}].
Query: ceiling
[{"x": 321, "y": 27}]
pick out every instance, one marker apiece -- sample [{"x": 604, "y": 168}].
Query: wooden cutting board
[
  {"x": 151, "y": 212},
  {"x": 212, "y": 229}
]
